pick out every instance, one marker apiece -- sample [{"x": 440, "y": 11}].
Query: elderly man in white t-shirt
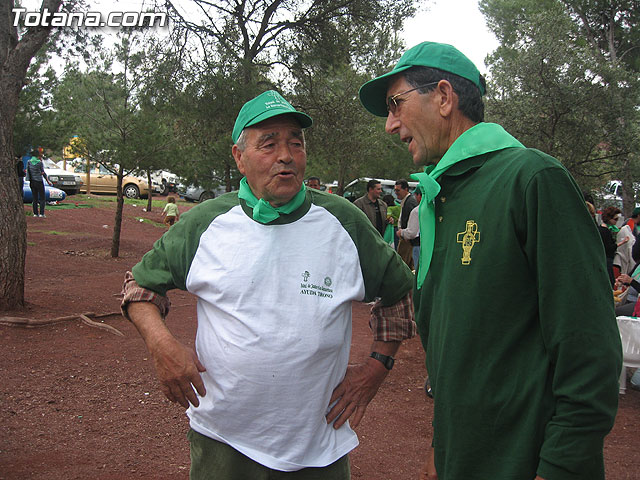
[{"x": 268, "y": 390}]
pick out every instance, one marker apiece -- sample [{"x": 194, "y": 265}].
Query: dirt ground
[{"x": 79, "y": 402}]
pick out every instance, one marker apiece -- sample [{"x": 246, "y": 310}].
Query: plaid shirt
[{"x": 389, "y": 324}]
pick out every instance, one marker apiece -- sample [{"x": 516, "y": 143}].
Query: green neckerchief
[
  {"x": 263, "y": 211},
  {"x": 34, "y": 160},
  {"x": 478, "y": 140},
  {"x": 614, "y": 229}
]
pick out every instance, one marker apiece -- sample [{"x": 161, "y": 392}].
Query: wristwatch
[{"x": 386, "y": 360}]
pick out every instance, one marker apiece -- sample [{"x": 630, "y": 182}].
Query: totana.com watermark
[{"x": 45, "y": 18}]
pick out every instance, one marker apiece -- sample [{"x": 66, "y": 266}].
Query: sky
[{"x": 456, "y": 22}]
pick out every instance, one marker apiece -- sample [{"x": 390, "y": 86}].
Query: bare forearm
[
  {"x": 385, "y": 348},
  {"x": 147, "y": 319},
  {"x": 177, "y": 366}
]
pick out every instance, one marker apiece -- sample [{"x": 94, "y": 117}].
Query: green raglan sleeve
[
  {"x": 167, "y": 264},
  {"x": 578, "y": 325},
  {"x": 385, "y": 274}
]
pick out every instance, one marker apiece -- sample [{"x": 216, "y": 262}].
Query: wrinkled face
[
  {"x": 375, "y": 192},
  {"x": 417, "y": 121},
  {"x": 274, "y": 159}
]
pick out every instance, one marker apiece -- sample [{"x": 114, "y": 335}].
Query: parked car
[
  {"x": 51, "y": 194},
  {"x": 192, "y": 193},
  {"x": 104, "y": 181},
  {"x": 358, "y": 187},
  {"x": 62, "y": 179},
  {"x": 164, "y": 182}
]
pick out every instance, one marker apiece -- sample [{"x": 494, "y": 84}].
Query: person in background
[
  {"x": 393, "y": 216},
  {"x": 275, "y": 267},
  {"x": 393, "y": 213},
  {"x": 20, "y": 172},
  {"x": 623, "y": 260},
  {"x": 374, "y": 208},
  {"x": 35, "y": 174},
  {"x": 634, "y": 221},
  {"x": 610, "y": 218},
  {"x": 170, "y": 212},
  {"x": 314, "y": 182},
  {"x": 412, "y": 232},
  {"x": 407, "y": 202},
  {"x": 632, "y": 282},
  {"x": 524, "y": 376},
  {"x": 608, "y": 240}
]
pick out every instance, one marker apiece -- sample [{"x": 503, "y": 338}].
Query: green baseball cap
[
  {"x": 373, "y": 94},
  {"x": 264, "y": 106}
]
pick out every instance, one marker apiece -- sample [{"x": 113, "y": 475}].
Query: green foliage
[
  {"x": 317, "y": 53},
  {"x": 152, "y": 103},
  {"x": 565, "y": 80}
]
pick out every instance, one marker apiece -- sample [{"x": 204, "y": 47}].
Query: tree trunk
[
  {"x": 117, "y": 226},
  {"x": 13, "y": 225},
  {"x": 15, "y": 55},
  {"x": 150, "y": 198}
]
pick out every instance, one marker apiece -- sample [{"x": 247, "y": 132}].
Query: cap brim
[
  {"x": 303, "y": 119},
  {"x": 373, "y": 94}
]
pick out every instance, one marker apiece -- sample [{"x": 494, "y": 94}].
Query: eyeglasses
[{"x": 392, "y": 102}]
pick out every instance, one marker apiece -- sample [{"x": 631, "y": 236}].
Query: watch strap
[{"x": 386, "y": 360}]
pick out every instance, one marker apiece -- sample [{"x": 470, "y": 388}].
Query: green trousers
[{"x": 213, "y": 460}]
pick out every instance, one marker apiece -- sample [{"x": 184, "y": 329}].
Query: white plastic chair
[{"x": 630, "y": 334}]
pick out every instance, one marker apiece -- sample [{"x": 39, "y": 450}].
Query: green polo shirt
[{"x": 516, "y": 318}]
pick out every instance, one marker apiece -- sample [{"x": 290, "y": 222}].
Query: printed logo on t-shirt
[
  {"x": 468, "y": 239},
  {"x": 308, "y": 287}
]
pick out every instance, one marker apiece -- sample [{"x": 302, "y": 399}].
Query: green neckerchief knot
[
  {"x": 34, "y": 160},
  {"x": 478, "y": 140},
  {"x": 263, "y": 211}
]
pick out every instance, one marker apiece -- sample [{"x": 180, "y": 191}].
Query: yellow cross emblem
[{"x": 468, "y": 239}]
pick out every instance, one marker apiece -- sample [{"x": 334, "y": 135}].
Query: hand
[
  {"x": 399, "y": 233},
  {"x": 428, "y": 471},
  {"x": 623, "y": 279},
  {"x": 359, "y": 386},
  {"x": 178, "y": 369}
]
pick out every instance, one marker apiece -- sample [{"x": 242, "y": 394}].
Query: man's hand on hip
[
  {"x": 353, "y": 394},
  {"x": 359, "y": 386}
]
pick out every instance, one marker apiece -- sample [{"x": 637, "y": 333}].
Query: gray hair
[{"x": 241, "y": 143}]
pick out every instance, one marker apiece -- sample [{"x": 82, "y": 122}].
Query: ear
[
  {"x": 448, "y": 98},
  {"x": 237, "y": 156}
]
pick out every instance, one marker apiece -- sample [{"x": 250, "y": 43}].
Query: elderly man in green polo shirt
[
  {"x": 268, "y": 390},
  {"x": 524, "y": 374}
]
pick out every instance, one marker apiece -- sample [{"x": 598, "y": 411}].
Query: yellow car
[{"x": 103, "y": 181}]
